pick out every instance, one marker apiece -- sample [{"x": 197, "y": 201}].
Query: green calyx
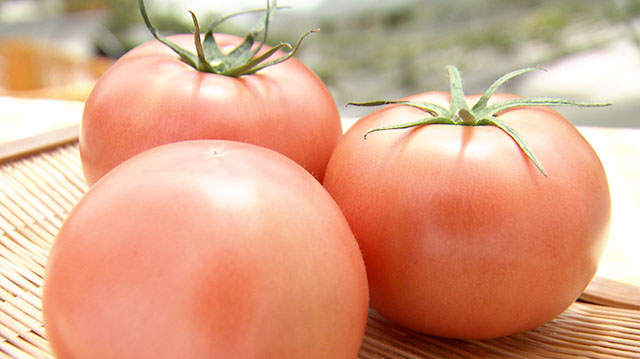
[
  {"x": 481, "y": 114},
  {"x": 241, "y": 60}
]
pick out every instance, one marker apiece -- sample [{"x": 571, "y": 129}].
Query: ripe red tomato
[
  {"x": 206, "y": 249},
  {"x": 461, "y": 234},
  {"x": 150, "y": 97}
]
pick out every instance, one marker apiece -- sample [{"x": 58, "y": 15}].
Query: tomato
[
  {"x": 206, "y": 249},
  {"x": 461, "y": 234},
  {"x": 150, "y": 97}
]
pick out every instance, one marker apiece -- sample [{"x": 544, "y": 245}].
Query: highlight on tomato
[
  {"x": 206, "y": 249},
  {"x": 209, "y": 86},
  {"x": 478, "y": 216}
]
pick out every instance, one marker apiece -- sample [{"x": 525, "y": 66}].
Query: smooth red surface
[
  {"x": 149, "y": 98},
  {"x": 462, "y": 236},
  {"x": 206, "y": 249}
]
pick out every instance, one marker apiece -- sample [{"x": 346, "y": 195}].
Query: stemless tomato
[
  {"x": 150, "y": 97},
  {"x": 461, "y": 234},
  {"x": 206, "y": 249}
]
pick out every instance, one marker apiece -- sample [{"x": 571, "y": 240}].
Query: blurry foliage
[
  {"x": 503, "y": 24},
  {"x": 125, "y": 22},
  {"x": 371, "y": 52},
  {"x": 82, "y": 5},
  {"x": 405, "y": 51},
  {"x": 124, "y": 13}
]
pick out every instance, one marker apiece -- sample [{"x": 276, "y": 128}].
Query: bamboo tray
[{"x": 41, "y": 180}]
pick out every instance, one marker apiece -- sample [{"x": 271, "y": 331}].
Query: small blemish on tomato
[{"x": 216, "y": 152}]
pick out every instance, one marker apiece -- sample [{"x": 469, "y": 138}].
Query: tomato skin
[
  {"x": 462, "y": 236},
  {"x": 149, "y": 97},
  {"x": 197, "y": 250}
]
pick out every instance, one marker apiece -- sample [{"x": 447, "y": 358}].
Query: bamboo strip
[
  {"x": 39, "y": 240},
  {"x": 19, "y": 270},
  {"x": 30, "y": 351},
  {"x": 41, "y": 195},
  {"x": 72, "y": 195},
  {"x": 48, "y": 184},
  {"x": 72, "y": 174},
  {"x": 22, "y": 337},
  {"x": 4, "y": 355},
  {"x": 23, "y": 235},
  {"x": 35, "y": 314},
  {"x": 28, "y": 294},
  {"x": 18, "y": 193},
  {"x": 70, "y": 156},
  {"x": 609, "y": 292},
  {"x": 34, "y": 325},
  {"x": 614, "y": 316},
  {"x": 18, "y": 254},
  {"x": 46, "y": 164},
  {"x": 41, "y": 346},
  {"x": 11, "y": 350},
  {"x": 564, "y": 345},
  {"x": 605, "y": 343},
  {"x": 38, "y": 144},
  {"x": 522, "y": 348}
]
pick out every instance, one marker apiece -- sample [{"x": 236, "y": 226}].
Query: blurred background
[{"x": 366, "y": 50}]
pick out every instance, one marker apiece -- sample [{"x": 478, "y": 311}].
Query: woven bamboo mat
[{"x": 38, "y": 188}]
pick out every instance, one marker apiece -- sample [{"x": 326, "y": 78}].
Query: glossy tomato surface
[
  {"x": 462, "y": 236},
  {"x": 149, "y": 97},
  {"x": 206, "y": 249}
]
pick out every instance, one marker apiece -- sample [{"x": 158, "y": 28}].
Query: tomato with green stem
[
  {"x": 211, "y": 86},
  {"x": 475, "y": 221}
]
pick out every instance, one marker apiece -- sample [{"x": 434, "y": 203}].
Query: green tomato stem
[
  {"x": 458, "y": 102},
  {"x": 466, "y": 117},
  {"x": 243, "y": 59},
  {"x": 481, "y": 114},
  {"x": 203, "y": 64}
]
